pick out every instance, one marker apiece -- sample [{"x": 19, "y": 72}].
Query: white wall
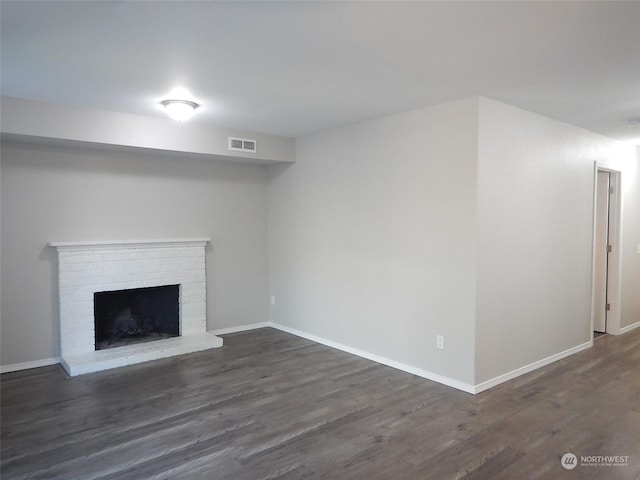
[
  {"x": 372, "y": 237},
  {"x": 630, "y": 311},
  {"x": 535, "y": 221},
  {"x": 471, "y": 219},
  {"x": 67, "y": 194}
]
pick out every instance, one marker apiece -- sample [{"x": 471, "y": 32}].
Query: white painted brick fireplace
[{"x": 85, "y": 268}]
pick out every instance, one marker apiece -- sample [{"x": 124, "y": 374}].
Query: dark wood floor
[{"x": 269, "y": 405}]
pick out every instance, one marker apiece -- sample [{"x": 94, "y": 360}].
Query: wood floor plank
[{"x": 272, "y": 406}]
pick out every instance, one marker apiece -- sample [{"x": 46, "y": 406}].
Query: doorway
[{"x": 605, "y": 296}]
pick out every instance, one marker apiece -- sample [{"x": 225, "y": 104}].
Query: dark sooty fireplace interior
[{"x": 124, "y": 317}]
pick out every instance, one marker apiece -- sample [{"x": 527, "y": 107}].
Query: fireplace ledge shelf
[
  {"x": 117, "y": 357},
  {"x": 110, "y": 244}
]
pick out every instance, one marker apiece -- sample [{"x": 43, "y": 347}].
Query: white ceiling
[{"x": 292, "y": 68}]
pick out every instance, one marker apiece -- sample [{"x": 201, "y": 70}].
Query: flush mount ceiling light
[{"x": 179, "y": 110}]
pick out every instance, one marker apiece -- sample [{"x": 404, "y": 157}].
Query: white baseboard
[
  {"x": 481, "y": 387},
  {"x": 377, "y": 358},
  {"x": 465, "y": 387},
  {"x": 628, "y": 328},
  {"x": 52, "y": 361},
  {"x": 241, "y": 328},
  {"x": 14, "y": 367}
]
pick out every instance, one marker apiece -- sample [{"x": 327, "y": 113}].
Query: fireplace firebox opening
[{"x": 126, "y": 317}]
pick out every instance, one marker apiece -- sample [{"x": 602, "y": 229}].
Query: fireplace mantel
[
  {"x": 157, "y": 243},
  {"x": 89, "y": 267}
]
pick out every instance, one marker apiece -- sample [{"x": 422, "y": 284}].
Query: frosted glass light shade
[{"x": 179, "y": 110}]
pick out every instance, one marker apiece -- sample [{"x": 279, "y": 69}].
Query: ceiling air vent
[{"x": 242, "y": 145}]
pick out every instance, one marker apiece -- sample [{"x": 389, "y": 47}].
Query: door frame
[{"x": 614, "y": 270}]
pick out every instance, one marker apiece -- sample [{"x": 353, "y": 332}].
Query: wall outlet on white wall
[
  {"x": 639, "y": 249},
  {"x": 440, "y": 342},
  {"x": 273, "y": 299}
]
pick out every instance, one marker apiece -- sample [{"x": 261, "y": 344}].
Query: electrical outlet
[
  {"x": 273, "y": 299},
  {"x": 440, "y": 342}
]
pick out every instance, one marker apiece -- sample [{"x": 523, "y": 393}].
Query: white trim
[
  {"x": 465, "y": 387},
  {"x": 628, "y": 328},
  {"x": 614, "y": 317},
  {"x": 481, "y": 387},
  {"x": 614, "y": 270},
  {"x": 96, "y": 244},
  {"x": 14, "y": 367},
  {"x": 241, "y": 328}
]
